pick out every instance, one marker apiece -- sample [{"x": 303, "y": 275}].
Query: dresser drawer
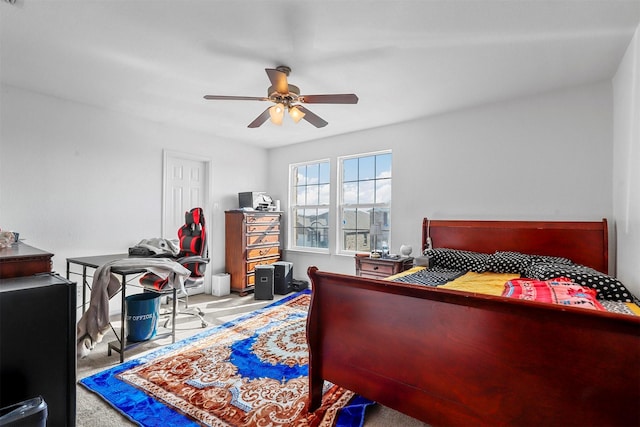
[
  {"x": 262, "y": 239},
  {"x": 263, "y": 228},
  {"x": 376, "y": 269},
  {"x": 263, "y": 252},
  {"x": 251, "y": 265},
  {"x": 262, "y": 219}
]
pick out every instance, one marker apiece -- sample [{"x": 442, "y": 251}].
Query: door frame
[{"x": 208, "y": 194}]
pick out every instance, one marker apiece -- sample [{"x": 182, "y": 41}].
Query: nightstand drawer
[{"x": 377, "y": 269}]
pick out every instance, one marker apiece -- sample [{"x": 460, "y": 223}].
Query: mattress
[{"x": 485, "y": 283}]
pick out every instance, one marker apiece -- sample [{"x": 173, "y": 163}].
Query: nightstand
[{"x": 379, "y": 268}]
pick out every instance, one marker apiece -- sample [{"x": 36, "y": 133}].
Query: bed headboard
[{"x": 583, "y": 242}]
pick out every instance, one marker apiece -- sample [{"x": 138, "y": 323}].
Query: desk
[
  {"x": 93, "y": 262},
  {"x": 20, "y": 259}
]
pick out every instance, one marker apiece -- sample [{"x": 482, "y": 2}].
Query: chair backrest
[{"x": 193, "y": 240}]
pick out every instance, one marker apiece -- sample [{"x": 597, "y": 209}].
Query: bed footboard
[{"x": 453, "y": 358}]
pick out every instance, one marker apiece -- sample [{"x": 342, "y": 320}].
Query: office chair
[{"x": 193, "y": 256}]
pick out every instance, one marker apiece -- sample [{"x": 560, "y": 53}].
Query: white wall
[
  {"x": 76, "y": 180},
  {"x": 626, "y": 161},
  {"x": 547, "y": 157}
]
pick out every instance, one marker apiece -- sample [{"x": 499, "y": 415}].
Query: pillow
[
  {"x": 508, "y": 262},
  {"x": 606, "y": 287},
  {"x": 456, "y": 259},
  {"x": 550, "y": 259},
  {"x": 558, "y": 291}
]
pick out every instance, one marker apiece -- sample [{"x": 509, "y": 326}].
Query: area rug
[{"x": 252, "y": 371}]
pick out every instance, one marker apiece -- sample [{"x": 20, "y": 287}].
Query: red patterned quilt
[{"x": 559, "y": 291}]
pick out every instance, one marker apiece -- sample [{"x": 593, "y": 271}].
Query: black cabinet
[{"x": 38, "y": 344}]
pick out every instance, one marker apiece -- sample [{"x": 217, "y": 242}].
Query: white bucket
[{"x": 220, "y": 284}]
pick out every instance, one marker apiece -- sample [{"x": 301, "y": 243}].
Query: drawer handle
[{"x": 375, "y": 268}]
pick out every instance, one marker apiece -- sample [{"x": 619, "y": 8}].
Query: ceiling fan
[{"x": 287, "y": 97}]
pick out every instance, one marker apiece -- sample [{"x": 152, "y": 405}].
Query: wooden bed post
[{"x": 313, "y": 341}]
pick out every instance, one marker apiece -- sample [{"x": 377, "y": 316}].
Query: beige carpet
[{"x": 92, "y": 411}]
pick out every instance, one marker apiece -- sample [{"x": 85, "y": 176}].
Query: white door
[{"x": 186, "y": 186}]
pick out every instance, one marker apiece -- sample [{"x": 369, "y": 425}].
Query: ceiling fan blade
[
  {"x": 278, "y": 80},
  {"x": 236, "y": 98},
  {"x": 312, "y": 118},
  {"x": 260, "y": 119},
  {"x": 343, "y": 98}
]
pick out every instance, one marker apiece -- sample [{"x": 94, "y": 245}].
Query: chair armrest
[{"x": 193, "y": 259}]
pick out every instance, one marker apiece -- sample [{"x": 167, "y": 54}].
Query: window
[
  {"x": 310, "y": 189},
  {"x": 365, "y": 202}
]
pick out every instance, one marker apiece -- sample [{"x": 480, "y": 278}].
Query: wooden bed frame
[{"x": 457, "y": 358}]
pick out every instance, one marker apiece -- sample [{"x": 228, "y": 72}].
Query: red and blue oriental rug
[{"x": 252, "y": 371}]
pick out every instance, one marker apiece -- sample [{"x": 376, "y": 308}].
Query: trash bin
[
  {"x": 143, "y": 311},
  {"x": 221, "y": 284},
  {"x": 28, "y": 413}
]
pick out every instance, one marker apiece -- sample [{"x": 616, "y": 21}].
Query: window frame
[
  {"x": 291, "y": 241},
  {"x": 341, "y": 205}
]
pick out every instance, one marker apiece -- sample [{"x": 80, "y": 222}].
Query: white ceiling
[{"x": 404, "y": 59}]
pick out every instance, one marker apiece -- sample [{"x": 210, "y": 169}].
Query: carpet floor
[{"x": 92, "y": 410}]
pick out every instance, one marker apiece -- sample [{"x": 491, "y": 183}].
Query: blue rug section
[
  {"x": 352, "y": 415},
  {"x": 131, "y": 402},
  {"x": 146, "y": 411},
  {"x": 251, "y": 366}
]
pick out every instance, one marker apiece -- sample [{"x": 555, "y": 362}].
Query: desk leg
[
  {"x": 84, "y": 288},
  {"x": 123, "y": 310},
  {"x": 173, "y": 315},
  {"x": 84, "y": 284}
]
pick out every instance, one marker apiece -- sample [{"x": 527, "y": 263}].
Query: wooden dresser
[
  {"x": 23, "y": 260},
  {"x": 252, "y": 238}
]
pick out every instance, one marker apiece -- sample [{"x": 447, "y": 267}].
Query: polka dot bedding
[
  {"x": 458, "y": 260},
  {"x": 508, "y": 262},
  {"x": 538, "y": 267},
  {"x": 433, "y": 276},
  {"x": 606, "y": 287}
]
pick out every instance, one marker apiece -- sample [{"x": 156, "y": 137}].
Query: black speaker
[
  {"x": 299, "y": 285},
  {"x": 263, "y": 282},
  {"x": 282, "y": 277}
]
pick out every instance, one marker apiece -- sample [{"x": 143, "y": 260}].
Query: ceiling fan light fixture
[
  {"x": 296, "y": 114},
  {"x": 277, "y": 114},
  {"x": 286, "y": 96}
]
